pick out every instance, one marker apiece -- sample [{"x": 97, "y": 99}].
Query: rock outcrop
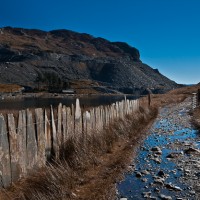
[{"x": 27, "y": 55}]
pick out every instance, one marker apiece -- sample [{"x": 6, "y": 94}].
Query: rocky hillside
[{"x": 29, "y": 57}]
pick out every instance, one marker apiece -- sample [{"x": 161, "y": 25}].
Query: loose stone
[{"x": 164, "y": 197}]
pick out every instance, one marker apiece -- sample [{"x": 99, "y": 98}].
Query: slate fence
[
  {"x": 196, "y": 99},
  {"x": 29, "y": 140}
]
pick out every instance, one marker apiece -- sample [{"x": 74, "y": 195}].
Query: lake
[{"x": 39, "y": 102}]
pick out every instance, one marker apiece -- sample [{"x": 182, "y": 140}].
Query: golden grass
[
  {"x": 9, "y": 88},
  {"x": 84, "y": 86},
  {"x": 173, "y": 96}
]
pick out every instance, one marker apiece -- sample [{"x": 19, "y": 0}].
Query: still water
[{"x": 38, "y": 102}]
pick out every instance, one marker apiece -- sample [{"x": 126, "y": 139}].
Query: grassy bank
[
  {"x": 5, "y": 88},
  {"x": 89, "y": 166}
]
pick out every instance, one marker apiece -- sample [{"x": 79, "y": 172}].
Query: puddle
[{"x": 171, "y": 133}]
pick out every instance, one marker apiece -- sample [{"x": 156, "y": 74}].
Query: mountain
[{"x": 29, "y": 57}]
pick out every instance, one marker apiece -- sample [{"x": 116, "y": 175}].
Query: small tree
[
  {"x": 54, "y": 81},
  {"x": 39, "y": 79}
]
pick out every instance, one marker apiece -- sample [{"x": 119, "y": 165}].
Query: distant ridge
[{"x": 29, "y": 54}]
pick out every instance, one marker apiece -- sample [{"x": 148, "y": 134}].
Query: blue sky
[{"x": 166, "y": 32}]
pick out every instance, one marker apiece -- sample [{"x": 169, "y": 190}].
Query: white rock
[{"x": 164, "y": 197}]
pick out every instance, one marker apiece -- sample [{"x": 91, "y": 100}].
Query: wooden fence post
[
  {"x": 70, "y": 124},
  {"x": 102, "y": 117},
  {"x": 107, "y": 115},
  {"x": 120, "y": 110},
  {"x": 73, "y": 120},
  {"x": 14, "y": 149},
  {"x": 92, "y": 120},
  {"x": 21, "y": 133},
  {"x": 88, "y": 122},
  {"x": 84, "y": 127},
  {"x": 97, "y": 118},
  {"x": 59, "y": 125},
  {"x": 117, "y": 110},
  {"x": 78, "y": 119},
  {"x": 5, "y": 168},
  {"x": 64, "y": 125},
  {"x": 84, "y": 123},
  {"x": 48, "y": 137},
  {"x": 31, "y": 143},
  {"x": 111, "y": 112},
  {"x": 39, "y": 116},
  {"x": 54, "y": 135}
]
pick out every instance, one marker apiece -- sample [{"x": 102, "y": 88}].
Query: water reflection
[{"x": 19, "y": 104}]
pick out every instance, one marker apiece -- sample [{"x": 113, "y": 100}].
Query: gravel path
[{"x": 168, "y": 162}]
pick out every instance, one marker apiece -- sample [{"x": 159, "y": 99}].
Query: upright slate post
[
  {"x": 59, "y": 126},
  {"x": 31, "y": 143},
  {"x": 14, "y": 148},
  {"x": 78, "y": 119},
  {"x": 21, "y": 133},
  {"x": 39, "y": 116},
  {"x": 64, "y": 125},
  {"x": 54, "y": 135},
  {"x": 5, "y": 168},
  {"x": 48, "y": 137},
  {"x": 70, "y": 124}
]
